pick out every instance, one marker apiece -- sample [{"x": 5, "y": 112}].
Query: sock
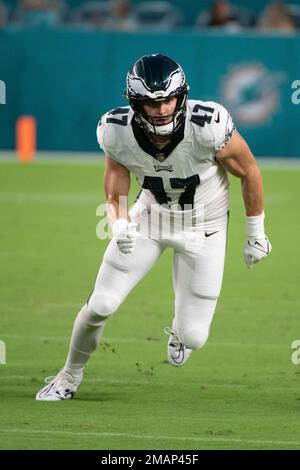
[{"x": 86, "y": 335}]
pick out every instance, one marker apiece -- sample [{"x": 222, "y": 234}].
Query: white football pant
[{"x": 197, "y": 277}]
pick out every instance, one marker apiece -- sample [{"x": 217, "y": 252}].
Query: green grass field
[{"x": 240, "y": 392}]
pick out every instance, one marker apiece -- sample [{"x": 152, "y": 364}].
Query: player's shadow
[{"x": 98, "y": 397}]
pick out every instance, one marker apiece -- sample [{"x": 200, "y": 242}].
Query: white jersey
[{"x": 184, "y": 175}]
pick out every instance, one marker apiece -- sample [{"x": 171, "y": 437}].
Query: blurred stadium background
[{"x": 64, "y": 64}]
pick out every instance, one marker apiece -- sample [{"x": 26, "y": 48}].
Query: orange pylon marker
[{"x": 26, "y": 138}]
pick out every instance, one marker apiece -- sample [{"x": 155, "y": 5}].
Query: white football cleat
[
  {"x": 178, "y": 354},
  {"x": 63, "y": 386}
]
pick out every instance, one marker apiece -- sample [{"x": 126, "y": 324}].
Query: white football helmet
[{"x": 156, "y": 77}]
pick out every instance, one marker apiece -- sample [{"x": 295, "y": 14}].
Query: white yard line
[
  {"x": 143, "y": 340},
  {"x": 42, "y": 197},
  {"x": 97, "y": 158},
  {"x": 56, "y": 158},
  {"x": 95, "y": 199},
  {"x": 257, "y": 387},
  {"x": 110, "y": 435}
]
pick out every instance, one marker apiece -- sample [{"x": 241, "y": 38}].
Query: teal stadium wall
[{"x": 68, "y": 78}]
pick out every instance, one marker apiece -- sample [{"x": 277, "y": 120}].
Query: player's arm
[
  {"x": 237, "y": 159},
  {"x": 116, "y": 185}
]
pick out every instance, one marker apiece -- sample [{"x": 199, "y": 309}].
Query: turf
[{"x": 240, "y": 392}]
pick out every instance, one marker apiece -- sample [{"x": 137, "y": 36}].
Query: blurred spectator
[
  {"x": 226, "y": 16},
  {"x": 91, "y": 14},
  {"x": 222, "y": 14},
  {"x": 3, "y": 15},
  {"x": 294, "y": 12},
  {"x": 39, "y": 12},
  {"x": 122, "y": 16},
  {"x": 276, "y": 16},
  {"x": 158, "y": 16}
]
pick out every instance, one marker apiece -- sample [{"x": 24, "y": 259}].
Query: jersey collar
[{"x": 160, "y": 154}]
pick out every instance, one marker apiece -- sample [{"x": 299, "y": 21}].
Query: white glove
[
  {"x": 125, "y": 234},
  {"x": 257, "y": 244},
  {"x": 256, "y": 249}
]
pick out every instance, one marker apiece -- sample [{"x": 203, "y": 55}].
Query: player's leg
[
  {"x": 197, "y": 279},
  {"x": 117, "y": 276}
]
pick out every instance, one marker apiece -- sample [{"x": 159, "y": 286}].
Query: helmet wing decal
[
  {"x": 140, "y": 87},
  {"x": 142, "y": 91}
]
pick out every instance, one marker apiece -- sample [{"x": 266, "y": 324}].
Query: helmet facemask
[{"x": 148, "y": 122}]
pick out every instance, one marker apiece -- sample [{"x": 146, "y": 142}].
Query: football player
[{"x": 180, "y": 151}]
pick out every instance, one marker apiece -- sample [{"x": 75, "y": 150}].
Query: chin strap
[{"x": 166, "y": 129}]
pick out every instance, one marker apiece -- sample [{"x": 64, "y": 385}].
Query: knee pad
[
  {"x": 194, "y": 339},
  {"x": 103, "y": 304}
]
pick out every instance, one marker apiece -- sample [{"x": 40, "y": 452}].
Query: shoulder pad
[
  {"x": 109, "y": 130},
  {"x": 214, "y": 121}
]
